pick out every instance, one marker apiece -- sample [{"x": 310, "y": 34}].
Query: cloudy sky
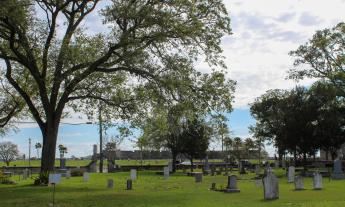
[{"x": 256, "y": 54}]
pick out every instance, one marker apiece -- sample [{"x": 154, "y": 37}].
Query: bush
[
  {"x": 77, "y": 173},
  {"x": 42, "y": 179}
]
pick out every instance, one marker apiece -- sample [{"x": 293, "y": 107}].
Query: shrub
[
  {"x": 77, "y": 173},
  {"x": 42, "y": 179}
]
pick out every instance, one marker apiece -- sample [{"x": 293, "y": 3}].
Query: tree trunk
[
  {"x": 191, "y": 165},
  {"x": 7, "y": 163},
  {"x": 49, "y": 147},
  {"x": 174, "y": 155}
]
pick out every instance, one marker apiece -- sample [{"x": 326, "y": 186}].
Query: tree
[
  {"x": 8, "y": 152},
  {"x": 148, "y": 44},
  {"x": 237, "y": 148},
  {"x": 63, "y": 150},
  {"x": 221, "y": 130},
  {"x": 195, "y": 139},
  {"x": 323, "y": 57},
  {"x": 38, "y": 146},
  {"x": 248, "y": 145}
]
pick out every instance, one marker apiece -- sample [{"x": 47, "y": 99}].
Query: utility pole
[
  {"x": 29, "y": 152},
  {"x": 100, "y": 140}
]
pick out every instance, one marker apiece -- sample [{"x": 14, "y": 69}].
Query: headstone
[
  {"x": 54, "y": 178},
  {"x": 206, "y": 165},
  {"x": 232, "y": 185},
  {"x": 283, "y": 163},
  {"x": 291, "y": 174},
  {"x": 63, "y": 163},
  {"x": 133, "y": 174},
  {"x": 86, "y": 177},
  {"x": 257, "y": 170},
  {"x": 242, "y": 167},
  {"x": 129, "y": 184},
  {"x": 276, "y": 164},
  {"x": 25, "y": 174},
  {"x": 317, "y": 181},
  {"x": 198, "y": 177},
  {"x": 166, "y": 173},
  {"x": 267, "y": 170},
  {"x": 110, "y": 183},
  {"x": 258, "y": 183},
  {"x": 299, "y": 185},
  {"x": 213, "y": 186},
  {"x": 93, "y": 166},
  {"x": 94, "y": 156},
  {"x": 212, "y": 171},
  {"x": 337, "y": 170},
  {"x": 170, "y": 165},
  {"x": 271, "y": 186},
  {"x": 68, "y": 174}
]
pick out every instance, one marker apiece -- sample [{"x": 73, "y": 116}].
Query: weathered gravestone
[
  {"x": 213, "y": 186},
  {"x": 63, "y": 163},
  {"x": 317, "y": 181},
  {"x": 206, "y": 167},
  {"x": 110, "y": 183},
  {"x": 299, "y": 185},
  {"x": 170, "y": 165},
  {"x": 257, "y": 170},
  {"x": 337, "y": 170},
  {"x": 25, "y": 174},
  {"x": 198, "y": 177},
  {"x": 276, "y": 164},
  {"x": 291, "y": 174},
  {"x": 166, "y": 172},
  {"x": 68, "y": 174},
  {"x": 271, "y": 186},
  {"x": 283, "y": 163},
  {"x": 129, "y": 184},
  {"x": 86, "y": 177},
  {"x": 133, "y": 174},
  {"x": 232, "y": 185},
  {"x": 242, "y": 167}
]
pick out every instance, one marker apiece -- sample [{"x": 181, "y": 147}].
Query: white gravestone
[
  {"x": 271, "y": 186},
  {"x": 54, "y": 178},
  {"x": 232, "y": 185},
  {"x": 68, "y": 174},
  {"x": 291, "y": 174},
  {"x": 166, "y": 173},
  {"x": 133, "y": 174},
  {"x": 86, "y": 177},
  {"x": 317, "y": 181},
  {"x": 299, "y": 185}
]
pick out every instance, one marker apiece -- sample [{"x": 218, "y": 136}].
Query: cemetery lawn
[{"x": 152, "y": 190}]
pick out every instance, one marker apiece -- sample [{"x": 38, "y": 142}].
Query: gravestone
[
  {"x": 242, "y": 167},
  {"x": 276, "y": 164},
  {"x": 133, "y": 174},
  {"x": 170, "y": 165},
  {"x": 267, "y": 170},
  {"x": 25, "y": 174},
  {"x": 63, "y": 163},
  {"x": 258, "y": 183},
  {"x": 337, "y": 170},
  {"x": 283, "y": 163},
  {"x": 257, "y": 170},
  {"x": 198, "y": 177},
  {"x": 317, "y": 181},
  {"x": 206, "y": 165},
  {"x": 299, "y": 185},
  {"x": 68, "y": 174},
  {"x": 271, "y": 186},
  {"x": 129, "y": 184},
  {"x": 232, "y": 185},
  {"x": 291, "y": 174},
  {"x": 213, "y": 186},
  {"x": 94, "y": 156},
  {"x": 212, "y": 171},
  {"x": 93, "y": 166},
  {"x": 110, "y": 183},
  {"x": 86, "y": 177},
  {"x": 166, "y": 173}
]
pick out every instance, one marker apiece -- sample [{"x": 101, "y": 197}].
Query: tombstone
[
  {"x": 283, "y": 163},
  {"x": 129, "y": 184},
  {"x": 258, "y": 183},
  {"x": 170, "y": 165},
  {"x": 63, "y": 163},
  {"x": 267, "y": 170},
  {"x": 299, "y": 185},
  {"x": 242, "y": 167},
  {"x": 337, "y": 170},
  {"x": 166, "y": 173},
  {"x": 110, "y": 183},
  {"x": 94, "y": 156},
  {"x": 232, "y": 185},
  {"x": 271, "y": 186},
  {"x": 86, "y": 177},
  {"x": 68, "y": 174},
  {"x": 198, "y": 177},
  {"x": 213, "y": 186},
  {"x": 206, "y": 165},
  {"x": 212, "y": 171},
  {"x": 276, "y": 164},
  {"x": 93, "y": 166},
  {"x": 257, "y": 170},
  {"x": 317, "y": 181},
  {"x": 133, "y": 174},
  {"x": 25, "y": 174},
  {"x": 291, "y": 174}
]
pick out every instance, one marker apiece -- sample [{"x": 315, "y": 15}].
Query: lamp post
[{"x": 29, "y": 152}]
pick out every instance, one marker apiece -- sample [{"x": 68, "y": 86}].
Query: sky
[{"x": 256, "y": 55}]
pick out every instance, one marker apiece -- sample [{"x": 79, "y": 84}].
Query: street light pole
[
  {"x": 29, "y": 152},
  {"x": 100, "y": 140}
]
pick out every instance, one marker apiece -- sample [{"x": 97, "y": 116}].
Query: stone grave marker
[
  {"x": 213, "y": 186},
  {"x": 276, "y": 164},
  {"x": 317, "y": 181},
  {"x": 68, "y": 174},
  {"x": 86, "y": 177},
  {"x": 271, "y": 186},
  {"x": 232, "y": 185},
  {"x": 283, "y": 163},
  {"x": 170, "y": 165},
  {"x": 198, "y": 177},
  {"x": 133, "y": 174},
  {"x": 337, "y": 173},
  {"x": 110, "y": 183},
  {"x": 129, "y": 184},
  {"x": 166, "y": 172},
  {"x": 299, "y": 185},
  {"x": 62, "y": 163},
  {"x": 257, "y": 170},
  {"x": 291, "y": 174}
]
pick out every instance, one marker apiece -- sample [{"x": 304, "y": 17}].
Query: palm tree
[
  {"x": 38, "y": 146},
  {"x": 237, "y": 145},
  {"x": 248, "y": 145},
  {"x": 63, "y": 150}
]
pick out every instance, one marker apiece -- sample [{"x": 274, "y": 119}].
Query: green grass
[{"x": 152, "y": 191}]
